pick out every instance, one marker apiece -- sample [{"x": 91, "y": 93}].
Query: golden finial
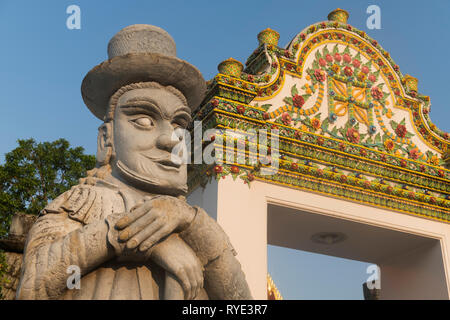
[
  {"x": 268, "y": 36},
  {"x": 231, "y": 67},
  {"x": 338, "y": 15},
  {"x": 410, "y": 82}
]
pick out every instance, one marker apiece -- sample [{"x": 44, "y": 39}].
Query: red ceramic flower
[
  {"x": 337, "y": 57},
  {"x": 240, "y": 109},
  {"x": 363, "y": 152},
  {"x": 348, "y": 71},
  {"x": 347, "y": 58},
  {"x": 353, "y": 135},
  {"x": 250, "y": 78},
  {"x": 343, "y": 178},
  {"x": 372, "y": 78},
  {"x": 215, "y": 102},
  {"x": 365, "y": 70},
  {"x": 322, "y": 62},
  {"x": 403, "y": 163},
  {"x": 298, "y": 101},
  {"x": 294, "y": 166},
  {"x": 250, "y": 177},
  {"x": 341, "y": 146},
  {"x": 320, "y": 141},
  {"x": 319, "y": 172},
  {"x": 234, "y": 169},
  {"x": 376, "y": 92},
  {"x": 329, "y": 58},
  {"x": 218, "y": 169},
  {"x": 401, "y": 131},
  {"x": 414, "y": 153},
  {"x": 356, "y": 63},
  {"x": 320, "y": 75},
  {"x": 266, "y": 115},
  {"x": 441, "y": 173},
  {"x": 286, "y": 118}
]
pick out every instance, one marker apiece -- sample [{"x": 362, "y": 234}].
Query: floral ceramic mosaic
[{"x": 351, "y": 125}]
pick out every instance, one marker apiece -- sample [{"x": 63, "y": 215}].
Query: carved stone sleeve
[
  {"x": 224, "y": 278},
  {"x": 54, "y": 243}
]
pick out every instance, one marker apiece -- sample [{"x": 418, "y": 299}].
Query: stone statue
[{"x": 127, "y": 225}]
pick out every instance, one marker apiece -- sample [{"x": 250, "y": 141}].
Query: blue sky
[{"x": 42, "y": 65}]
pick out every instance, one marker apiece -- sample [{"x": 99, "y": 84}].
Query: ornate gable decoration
[{"x": 351, "y": 124}]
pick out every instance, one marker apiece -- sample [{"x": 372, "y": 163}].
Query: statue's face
[{"x": 144, "y": 123}]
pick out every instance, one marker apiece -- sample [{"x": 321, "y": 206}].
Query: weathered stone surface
[
  {"x": 127, "y": 226},
  {"x": 14, "y": 262}
]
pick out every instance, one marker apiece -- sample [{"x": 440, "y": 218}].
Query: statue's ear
[{"x": 104, "y": 143}]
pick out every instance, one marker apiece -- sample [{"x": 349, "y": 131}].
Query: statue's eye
[{"x": 145, "y": 122}]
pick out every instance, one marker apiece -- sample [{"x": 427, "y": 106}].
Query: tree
[{"x": 36, "y": 173}]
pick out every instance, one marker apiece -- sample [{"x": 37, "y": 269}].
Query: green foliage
[{"x": 36, "y": 173}]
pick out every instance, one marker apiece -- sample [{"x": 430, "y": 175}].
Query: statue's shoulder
[{"x": 87, "y": 201}]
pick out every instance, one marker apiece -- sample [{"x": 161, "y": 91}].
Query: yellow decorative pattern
[
  {"x": 268, "y": 36},
  {"x": 272, "y": 291},
  {"x": 338, "y": 15},
  {"x": 231, "y": 67},
  {"x": 308, "y": 112}
]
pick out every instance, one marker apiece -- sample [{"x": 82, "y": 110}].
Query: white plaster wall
[
  {"x": 242, "y": 212},
  {"x": 414, "y": 275}
]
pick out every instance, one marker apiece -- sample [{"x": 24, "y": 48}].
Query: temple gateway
[{"x": 362, "y": 171}]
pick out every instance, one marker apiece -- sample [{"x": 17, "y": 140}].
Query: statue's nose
[{"x": 167, "y": 141}]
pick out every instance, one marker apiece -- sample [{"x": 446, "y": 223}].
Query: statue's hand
[
  {"x": 156, "y": 218},
  {"x": 176, "y": 257}
]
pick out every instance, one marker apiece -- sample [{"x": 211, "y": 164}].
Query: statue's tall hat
[{"x": 140, "y": 53}]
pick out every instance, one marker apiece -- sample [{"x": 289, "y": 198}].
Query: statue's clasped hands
[{"x": 154, "y": 219}]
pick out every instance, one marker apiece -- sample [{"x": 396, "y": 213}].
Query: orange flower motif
[
  {"x": 353, "y": 135},
  {"x": 414, "y": 153},
  {"x": 335, "y": 68},
  {"x": 315, "y": 123},
  {"x": 361, "y": 76},
  {"x": 434, "y": 160},
  {"x": 389, "y": 145},
  {"x": 389, "y": 113}
]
